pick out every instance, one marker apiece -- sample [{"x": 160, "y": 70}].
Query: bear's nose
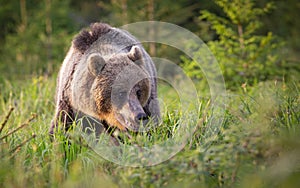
[{"x": 141, "y": 117}]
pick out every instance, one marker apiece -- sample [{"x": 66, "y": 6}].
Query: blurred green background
[{"x": 35, "y": 35}]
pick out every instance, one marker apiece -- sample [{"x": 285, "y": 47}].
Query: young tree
[{"x": 243, "y": 54}]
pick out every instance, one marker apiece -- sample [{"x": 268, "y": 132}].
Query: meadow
[{"x": 257, "y": 145}]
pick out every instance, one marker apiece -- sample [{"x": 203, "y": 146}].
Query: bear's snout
[
  {"x": 141, "y": 117},
  {"x": 132, "y": 116}
]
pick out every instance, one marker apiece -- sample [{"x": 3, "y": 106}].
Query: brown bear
[{"x": 109, "y": 78}]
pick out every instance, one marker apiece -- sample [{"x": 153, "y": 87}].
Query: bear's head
[{"x": 116, "y": 87}]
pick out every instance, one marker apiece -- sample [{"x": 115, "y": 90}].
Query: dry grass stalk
[
  {"x": 6, "y": 118},
  {"x": 20, "y": 127}
]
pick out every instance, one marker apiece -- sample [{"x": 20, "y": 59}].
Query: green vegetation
[
  {"x": 244, "y": 56},
  {"x": 258, "y": 143},
  {"x": 39, "y": 41}
]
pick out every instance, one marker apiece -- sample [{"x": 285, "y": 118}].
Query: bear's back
[{"x": 104, "y": 39}]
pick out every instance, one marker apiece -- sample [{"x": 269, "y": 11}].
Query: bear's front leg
[{"x": 64, "y": 117}]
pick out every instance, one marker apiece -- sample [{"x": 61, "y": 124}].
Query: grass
[{"x": 258, "y": 144}]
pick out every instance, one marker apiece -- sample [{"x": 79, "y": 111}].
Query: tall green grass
[{"x": 257, "y": 146}]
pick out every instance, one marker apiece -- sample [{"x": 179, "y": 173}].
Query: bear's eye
[{"x": 139, "y": 94}]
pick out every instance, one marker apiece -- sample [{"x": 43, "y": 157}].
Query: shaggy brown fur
[
  {"x": 87, "y": 37},
  {"x": 87, "y": 76}
]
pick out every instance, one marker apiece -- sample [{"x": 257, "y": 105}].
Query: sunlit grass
[{"x": 257, "y": 144}]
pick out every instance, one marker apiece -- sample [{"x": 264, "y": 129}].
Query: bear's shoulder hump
[{"x": 87, "y": 37}]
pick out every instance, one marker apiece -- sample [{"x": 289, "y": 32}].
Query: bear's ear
[
  {"x": 96, "y": 64},
  {"x": 135, "y": 54}
]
